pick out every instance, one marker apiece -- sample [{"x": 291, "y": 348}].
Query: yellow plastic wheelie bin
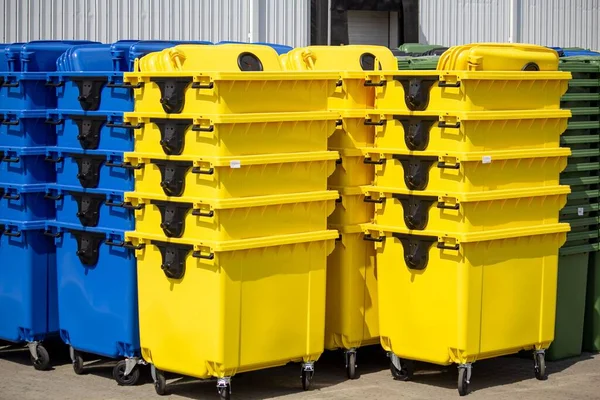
[
  {"x": 466, "y": 296},
  {"x": 212, "y": 309},
  {"x": 352, "y": 319}
]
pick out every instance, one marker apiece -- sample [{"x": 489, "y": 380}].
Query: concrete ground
[{"x": 502, "y": 378}]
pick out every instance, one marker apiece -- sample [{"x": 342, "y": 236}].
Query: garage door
[{"x": 373, "y": 27}]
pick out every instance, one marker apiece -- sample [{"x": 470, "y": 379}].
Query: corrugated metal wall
[
  {"x": 563, "y": 23},
  {"x": 454, "y": 22},
  {"x": 284, "y": 22}
]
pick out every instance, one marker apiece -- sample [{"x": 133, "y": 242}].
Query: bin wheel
[
  {"x": 463, "y": 382},
  {"x": 224, "y": 392},
  {"x": 405, "y": 373},
  {"x": 119, "y": 374},
  {"x": 160, "y": 385},
  {"x": 78, "y": 363},
  {"x": 351, "y": 364},
  {"x": 540, "y": 366},
  {"x": 307, "y": 377},
  {"x": 43, "y": 361}
]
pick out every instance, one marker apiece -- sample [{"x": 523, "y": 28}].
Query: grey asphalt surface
[{"x": 501, "y": 378}]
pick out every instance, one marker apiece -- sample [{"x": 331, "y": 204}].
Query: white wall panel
[
  {"x": 564, "y": 23},
  {"x": 451, "y": 22},
  {"x": 285, "y": 22}
]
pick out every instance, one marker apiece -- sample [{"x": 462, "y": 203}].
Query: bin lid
[
  {"x": 141, "y": 48},
  {"x": 41, "y": 55},
  {"x": 10, "y": 59},
  {"x": 93, "y": 57},
  {"x": 279, "y": 48}
]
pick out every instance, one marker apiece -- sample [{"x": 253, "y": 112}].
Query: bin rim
[
  {"x": 23, "y": 225},
  {"x": 233, "y": 245},
  {"x": 468, "y": 197},
  {"x": 24, "y": 188},
  {"x": 235, "y": 118},
  {"x": 572, "y": 250},
  {"x": 474, "y": 156},
  {"x": 226, "y": 161},
  {"x": 78, "y": 189},
  {"x": 461, "y": 75},
  {"x": 23, "y": 114},
  {"x": 236, "y": 202},
  {"x": 472, "y": 237},
  {"x": 210, "y": 76},
  {"x": 460, "y": 115},
  {"x": 65, "y": 226},
  {"x": 24, "y": 151}
]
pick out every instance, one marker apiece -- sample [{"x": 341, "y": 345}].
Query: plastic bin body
[
  {"x": 92, "y": 91},
  {"x": 28, "y": 294},
  {"x": 220, "y": 177},
  {"x": 351, "y": 209},
  {"x": 352, "y": 318},
  {"x": 570, "y": 302},
  {"x": 26, "y": 91},
  {"x": 456, "y": 309},
  {"x": 468, "y": 90},
  {"x": 25, "y": 129},
  {"x": 22, "y": 165},
  {"x": 232, "y": 219},
  {"x": 25, "y": 203},
  {"x": 229, "y": 92},
  {"x": 468, "y": 212},
  {"x": 470, "y": 131},
  {"x": 91, "y": 130},
  {"x": 351, "y": 170},
  {"x": 280, "y": 281},
  {"x": 591, "y": 336},
  {"x": 91, "y": 208},
  {"x": 92, "y": 169},
  {"x": 471, "y": 171},
  {"x": 92, "y": 318},
  {"x": 223, "y": 135}
]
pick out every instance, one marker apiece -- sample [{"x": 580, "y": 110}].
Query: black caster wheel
[
  {"x": 539, "y": 367},
  {"x": 119, "y": 374},
  {"x": 160, "y": 384},
  {"x": 43, "y": 361},
  {"x": 78, "y": 363},
  {"x": 405, "y": 373},
  {"x": 463, "y": 382},
  {"x": 307, "y": 377},
  {"x": 351, "y": 364},
  {"x": 224, "y": 392}
]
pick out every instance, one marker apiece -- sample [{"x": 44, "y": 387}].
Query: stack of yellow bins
[
  {"x": 352, "y": 313},
  {"x": 466, "y": 222},
  {"x": 232, "y": 203}
]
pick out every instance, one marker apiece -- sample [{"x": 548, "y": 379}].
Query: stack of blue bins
[
  {"x": 28, "y": 292},
  {"x": 96, "y": 268}
]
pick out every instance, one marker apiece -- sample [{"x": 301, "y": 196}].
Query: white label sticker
[
  {"x": 235, "y": 164},
  {"x": 486, "y": 159},
  {"x": 580, "y": 211}
]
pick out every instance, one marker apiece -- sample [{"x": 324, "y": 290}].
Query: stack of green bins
[{"x": 581, "y": 249}]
